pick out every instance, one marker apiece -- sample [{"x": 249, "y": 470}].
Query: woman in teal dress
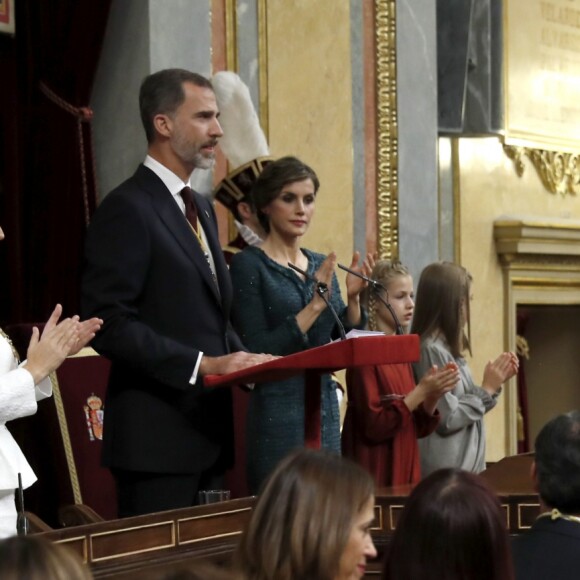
[{"x": 276, "y": 310}]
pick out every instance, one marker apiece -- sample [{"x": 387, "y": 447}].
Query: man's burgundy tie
[
  {"x": 190, "y": 207},
  {"x": 191, "y": 215}
]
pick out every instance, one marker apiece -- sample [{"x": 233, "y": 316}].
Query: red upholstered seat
[{"x": 79, "y": 394}]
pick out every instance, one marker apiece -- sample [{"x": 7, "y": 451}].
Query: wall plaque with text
[{"x": 542, "y": 73}]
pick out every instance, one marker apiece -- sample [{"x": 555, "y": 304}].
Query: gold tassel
[{"x": 522, "y": 347}]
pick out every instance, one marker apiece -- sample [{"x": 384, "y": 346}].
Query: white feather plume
[{"x": 243, "y": 138}]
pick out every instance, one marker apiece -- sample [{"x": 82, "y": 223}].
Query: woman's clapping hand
[{"x": 47, "y": 351}]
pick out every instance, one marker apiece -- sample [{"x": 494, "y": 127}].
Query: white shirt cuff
[{"x": 196, "y": 369}]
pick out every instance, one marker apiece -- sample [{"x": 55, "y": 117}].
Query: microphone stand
[
  {"x": 322, "y": 289},
  {"x": 22, "y": 526},
  {"x": 376, "y": 287}
]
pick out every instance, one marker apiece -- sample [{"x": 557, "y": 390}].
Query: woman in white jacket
[{"x": 20, "y": 389}]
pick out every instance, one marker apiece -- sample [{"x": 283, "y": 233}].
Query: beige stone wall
[
  {"x": 309, "y": 99},
  {"x": 309, "y": 96},
  {"x": 489, "y": 187}
]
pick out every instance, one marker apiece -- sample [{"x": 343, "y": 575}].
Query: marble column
[
  {"x": 417, "y": 133},
  {"x": 141, "y": 38}
]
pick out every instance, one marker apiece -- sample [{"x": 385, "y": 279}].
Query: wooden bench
[{"x": 146, "y": 547}]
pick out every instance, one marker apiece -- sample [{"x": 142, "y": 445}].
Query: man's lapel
[{"x": 175, "y": 221}]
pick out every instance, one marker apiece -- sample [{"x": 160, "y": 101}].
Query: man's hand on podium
[{"x": 229, "y": 363}]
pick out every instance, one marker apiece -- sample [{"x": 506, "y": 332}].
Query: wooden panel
[
  {"x": 155, "y": 542},
  {"x": 131, "y": 541},
  {"x": 212, "y": 526},
  {"x": 148, "y": 546}
]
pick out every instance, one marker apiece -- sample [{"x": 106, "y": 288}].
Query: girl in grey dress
[
  {"x": 277, "y": 311},
  {"x": 441, "y": 314}
]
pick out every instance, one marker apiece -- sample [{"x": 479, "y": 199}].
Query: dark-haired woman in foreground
[{"x": 452, "y": 528}]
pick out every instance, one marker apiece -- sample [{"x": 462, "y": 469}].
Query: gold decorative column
[{"x": 387, "y": 143}]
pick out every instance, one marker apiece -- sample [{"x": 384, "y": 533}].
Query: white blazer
[{"x": 18, "y": 397}]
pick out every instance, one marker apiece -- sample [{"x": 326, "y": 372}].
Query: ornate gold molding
[
  {"x": 387, "y": 137},
  {"x": 539, "y": 263},
  {"x": 554, "y": 242},
  {"x": 558, "y": 171}
]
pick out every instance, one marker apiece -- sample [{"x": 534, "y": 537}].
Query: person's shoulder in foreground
[{"x": 551, "y": 548}]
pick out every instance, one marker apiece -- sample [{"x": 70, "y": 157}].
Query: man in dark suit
[
  {"x": 550, "y": 550},
  {"x": 163, "y": 290}
]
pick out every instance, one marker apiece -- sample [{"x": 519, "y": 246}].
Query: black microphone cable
[
  {"x": 22, "y": 524},
  {"x": 321, "y": 289}
]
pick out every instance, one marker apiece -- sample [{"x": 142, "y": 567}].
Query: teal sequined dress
[{"x": 267, "y": 297}]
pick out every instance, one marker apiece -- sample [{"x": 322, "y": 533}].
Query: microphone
[
  {"x": 376, "y": 287},
  {"x": 22, "y": 527},
  {"x": 322, "y": 289}
]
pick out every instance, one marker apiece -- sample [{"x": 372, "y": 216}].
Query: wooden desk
[
  {"x": 145, "y": 547},
  {"x": 511, "y": 479}
]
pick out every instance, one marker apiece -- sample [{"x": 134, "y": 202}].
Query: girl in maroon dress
[{"x": 386, "y": 411}]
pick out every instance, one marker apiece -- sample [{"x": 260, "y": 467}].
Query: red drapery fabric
[
  {"x": 47, "y": 173},
  {"x": 522, "y": 317}
]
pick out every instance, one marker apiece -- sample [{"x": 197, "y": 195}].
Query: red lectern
[{"x": 352, "y": 352}]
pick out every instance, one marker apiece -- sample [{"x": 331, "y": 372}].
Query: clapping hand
[
  {"x": 437, "y": 382},
  {"x": 497, "y": 372},
  {"x": 86, "y": 332},
  {"x": 354, "y": 284},
  {"x": 47, "y": 351}
]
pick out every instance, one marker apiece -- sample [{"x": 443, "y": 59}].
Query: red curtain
[
  {"x": 522, "y": 317},
  {"x": 47, "y": 173}
]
